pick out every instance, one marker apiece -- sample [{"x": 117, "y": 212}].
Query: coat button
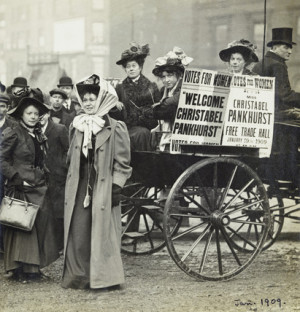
[
  {"x": 102, "y": 208},
  {"x": 102, "y": 179},
  {"x": 101, "y": 149}
]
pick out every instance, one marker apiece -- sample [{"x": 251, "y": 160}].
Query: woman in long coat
[
  {"x": 99, "y": 158},
  {"x": 138, "y": 94},
  {"x": 22, "y": 163}
]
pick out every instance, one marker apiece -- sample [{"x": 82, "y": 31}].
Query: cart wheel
[
  {"x": 221, "y": 197},
  {"x": 142, "y": 220},
  {"x": 277, "y": 220}
]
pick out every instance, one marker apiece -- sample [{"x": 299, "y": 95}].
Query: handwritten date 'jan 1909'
[{"x": 264, "y": 302}]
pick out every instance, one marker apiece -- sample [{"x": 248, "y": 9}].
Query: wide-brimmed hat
[
  {"x": 2, "y": 87},
  {"x": 134, "y": 52},
  {"x": 175, "y": 60},
  {"x": 4, "y": 98},
  {"x": 281, "y": 35},
  {"x": 244, "y": 47},
  {"x": 16, "y": 111},
  {"x": 20, "y": 82},
  {"x": 65, "y": 82},
  {"x": 59, "y": 91}
]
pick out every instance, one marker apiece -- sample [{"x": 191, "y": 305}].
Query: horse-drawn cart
[{"x": 209, "y": 203}]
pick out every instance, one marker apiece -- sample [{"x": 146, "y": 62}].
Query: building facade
[{"x": 43, "y": 39}]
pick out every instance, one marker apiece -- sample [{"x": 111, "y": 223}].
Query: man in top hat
[
  {"x": 274, "y": 65},
  {"x": 287, "y": 101},
  {"x": 58, "y": 114},
  {"x": 66, "y": 84}
]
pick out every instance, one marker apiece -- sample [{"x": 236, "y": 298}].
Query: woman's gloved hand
[
  {"x": 16, "y": 182},
  {"x": 116, "y": 195}
]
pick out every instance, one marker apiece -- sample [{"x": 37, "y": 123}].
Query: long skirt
[
  {"x": 78, "y": 251},
  {"x": 33, "y": 250}
]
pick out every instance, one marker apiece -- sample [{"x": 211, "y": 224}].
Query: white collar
[
  {"x": 44, "y": 127},
  {"x": 135, "y": 80}
]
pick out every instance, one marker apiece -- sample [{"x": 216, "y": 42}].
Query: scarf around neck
[
  {"x": 38, "y": 133},
  {"x": 91, "y": 124}
]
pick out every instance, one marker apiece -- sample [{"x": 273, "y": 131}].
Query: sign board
[{"x": 224, "y": 110}]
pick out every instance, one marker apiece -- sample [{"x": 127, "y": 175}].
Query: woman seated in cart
[
  {"x": 169, "y": 69},
  {"x": 238, "y": 55},
  {"x": 138, "y": 94}
]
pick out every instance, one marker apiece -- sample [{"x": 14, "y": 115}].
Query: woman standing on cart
[
  {"x": 22, "y": 158},
  {"x": 238, "y": 55},
  {"x": 99, "y": 158},
  {"x": 169, "y": 69},
  {"x": 138, "y": 94}
]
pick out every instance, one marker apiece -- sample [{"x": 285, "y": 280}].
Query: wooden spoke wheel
[
  {"x": 277, "y": 220},
  {"x": 228, "y": 215},
  {"x": 142, "y": 220}
]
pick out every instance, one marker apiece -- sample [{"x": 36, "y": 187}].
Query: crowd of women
[{"x": 105, "y": 125}]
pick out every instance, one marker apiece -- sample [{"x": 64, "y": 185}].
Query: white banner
[{"x": 224, "y": 109}]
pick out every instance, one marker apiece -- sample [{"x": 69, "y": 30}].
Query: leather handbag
[{"x": 18, "y": 213}]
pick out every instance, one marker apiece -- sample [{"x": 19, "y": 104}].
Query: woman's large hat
[
  {"x": 134, "y": 52},
  {"x": 20, "y": 82},
  {"x": 281, "y": 35},
  {"x": 244, "y": 47},
  {"x": 173, "y": 60},
  {"x": 26, "y": 101}
]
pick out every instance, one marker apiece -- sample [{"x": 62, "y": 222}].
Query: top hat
[
  {"x": 134, "y": 52},
  {"x": 2, "y": 87},
  {"x": 26, "y": 101},
  {"x": 244, "y": 47},
  {"x": 59, "y": 91},
  {"x": 4, "y": 98},
  {"x": 20, "y": 82},
  {"x": 281, "y": 35},
  {"x": 175, "y": 60},
  {"x": 65, "y": 81}
]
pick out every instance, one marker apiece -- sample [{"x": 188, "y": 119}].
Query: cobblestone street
[{"x": 155, "y": 283}]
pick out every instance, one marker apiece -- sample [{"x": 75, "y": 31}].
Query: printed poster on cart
[{"x": 224, "y": 109}]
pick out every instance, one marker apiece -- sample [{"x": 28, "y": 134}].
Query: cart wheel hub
[{"x": 219, "y": 218}]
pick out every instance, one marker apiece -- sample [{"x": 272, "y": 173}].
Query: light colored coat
[{"x": 112, "y": 158}]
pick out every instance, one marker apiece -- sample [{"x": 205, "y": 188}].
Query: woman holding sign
[
  {"x": 239, "y": 54},
  {"x": 169, "y": 69}
]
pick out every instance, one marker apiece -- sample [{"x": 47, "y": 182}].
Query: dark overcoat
[
  {"x": 285, "y": 97},
  {"x": 56, "y": 162},
  {"x": 38, "y": 247},
  {"x": 138, "y": 99}
]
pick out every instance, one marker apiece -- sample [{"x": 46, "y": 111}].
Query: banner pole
[{"x": 264, "y": 40}]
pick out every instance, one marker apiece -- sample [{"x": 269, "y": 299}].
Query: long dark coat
[
  {"x": 38, "y": 247},
  {"x": 142, "y": 94},
  {"x": 56, "y": 162},
  {"x": 285, "y": 97},
  {"x": 111, "y": 163}
]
